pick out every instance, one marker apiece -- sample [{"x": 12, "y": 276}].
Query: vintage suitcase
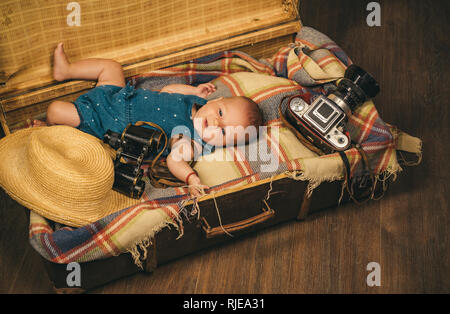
[
  {"x": 253, "y": 213},
  {"x": 144, "y": 36}
]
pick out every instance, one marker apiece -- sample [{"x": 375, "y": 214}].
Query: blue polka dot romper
[{"x": 109, "y": 107}]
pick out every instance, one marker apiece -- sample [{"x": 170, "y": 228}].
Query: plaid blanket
[{"x": 309, "y": 65}]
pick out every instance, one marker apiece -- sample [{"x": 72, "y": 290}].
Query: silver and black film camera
[
  {"x": 133, "y": 146},
  {"x": 323, "y": 121}
]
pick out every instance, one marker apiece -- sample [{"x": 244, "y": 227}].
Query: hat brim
[{"x": 15, "y": 180}]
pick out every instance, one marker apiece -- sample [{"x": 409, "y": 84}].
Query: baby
[{"x": 180, "y": 110}]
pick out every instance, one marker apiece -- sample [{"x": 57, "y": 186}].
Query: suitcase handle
[{"x": 266, "y": 214}]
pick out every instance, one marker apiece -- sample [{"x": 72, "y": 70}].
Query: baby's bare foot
[
  {"x": 37, "y": 123},
  {"x": 60, "y": 64}
]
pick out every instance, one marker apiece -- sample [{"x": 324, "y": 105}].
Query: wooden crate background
[{"x": 148, "y": 35}]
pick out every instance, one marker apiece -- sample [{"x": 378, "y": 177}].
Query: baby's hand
[
  {"x": 204, "y": 90},
  {"x": 196, "y": 188}
]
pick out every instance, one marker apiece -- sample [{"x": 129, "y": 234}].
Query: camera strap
[{"x": 360, "y": 188}]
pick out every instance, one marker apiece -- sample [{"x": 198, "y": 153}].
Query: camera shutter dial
[{"x": 298, "y": 105}]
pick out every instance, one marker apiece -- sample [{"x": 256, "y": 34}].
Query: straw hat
[{"x": 60, "y": 173}]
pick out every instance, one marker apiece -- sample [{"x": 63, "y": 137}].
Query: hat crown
[
  {"x": 61, "y": 173},
  {"x": 69, "y": 167}
]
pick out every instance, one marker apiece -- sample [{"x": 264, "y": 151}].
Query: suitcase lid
[{"x": 141, "y": 35}]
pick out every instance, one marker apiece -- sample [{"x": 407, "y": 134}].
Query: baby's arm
[
  {"x": 202, "y": 90},
  {"x": 177, "y": 162}
]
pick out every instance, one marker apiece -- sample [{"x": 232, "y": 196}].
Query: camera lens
[
  {"x": 351, "y": 94},
  {"x": 113, "y": 139},
  {"x": 356, "y": 87},
  {"x": 363, "y": 79},
  {"x": 138, "y": 189}
]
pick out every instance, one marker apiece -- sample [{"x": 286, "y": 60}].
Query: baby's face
[{"x": 221, "y": 121}]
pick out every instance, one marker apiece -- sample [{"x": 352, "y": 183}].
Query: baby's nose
[{"x": 215, "y": 122}]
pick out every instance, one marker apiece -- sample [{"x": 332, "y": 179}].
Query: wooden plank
[
  {"x": 21, "y": 269},
  {"x": 415, "y": 216}
]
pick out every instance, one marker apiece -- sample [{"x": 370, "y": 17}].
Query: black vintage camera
[
  {"x": 323, "y": 121},
  {"x": 134, "y": 145}
]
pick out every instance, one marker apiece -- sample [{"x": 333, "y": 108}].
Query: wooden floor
[{"x": 407, "y": 232}]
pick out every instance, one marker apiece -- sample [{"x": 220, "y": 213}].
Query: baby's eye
[{"x": 220, "y": 112}]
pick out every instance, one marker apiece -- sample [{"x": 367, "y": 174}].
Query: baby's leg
[
  {"x": 105, "y": 71},
  {"x": 63, "y": 112},
  {"x": 60, "y": 113}
]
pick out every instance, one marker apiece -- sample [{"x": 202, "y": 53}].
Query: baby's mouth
[{"x": 205, "y": 123}]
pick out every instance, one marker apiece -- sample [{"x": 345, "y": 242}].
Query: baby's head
[{"x": 228, "y": 121}]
